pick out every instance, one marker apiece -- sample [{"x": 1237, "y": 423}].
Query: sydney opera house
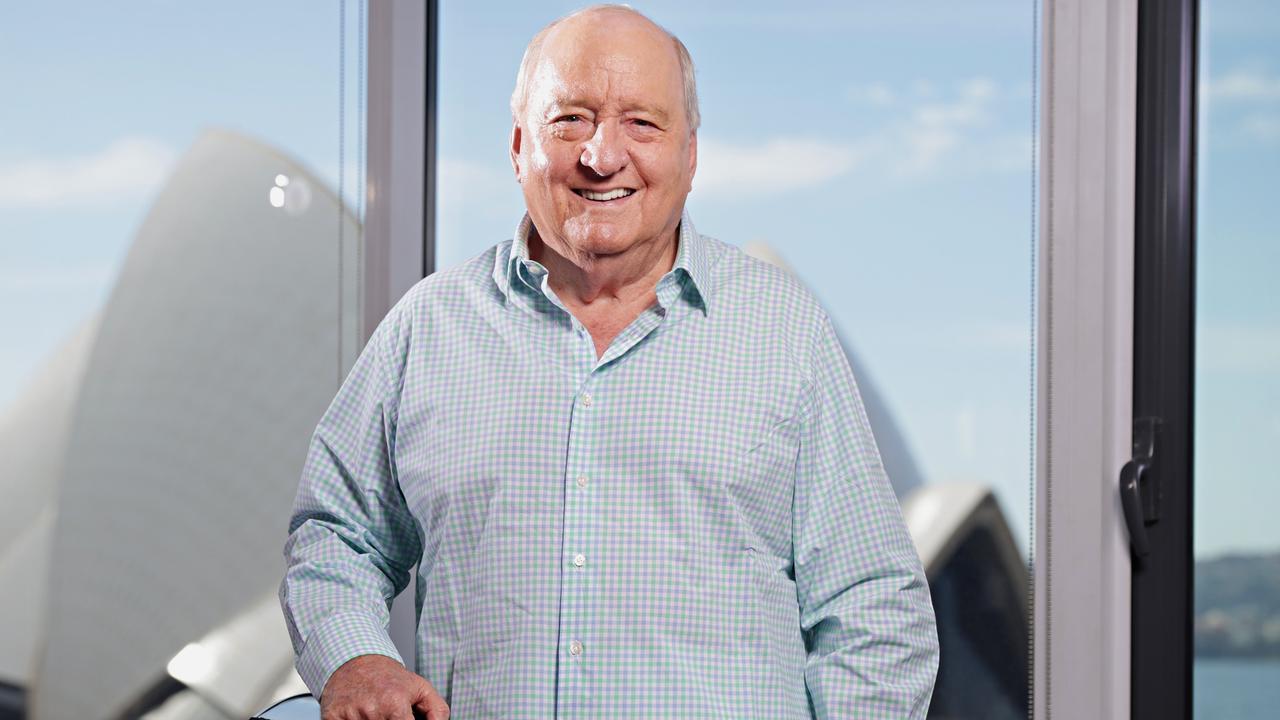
[{"x": 151, "y": 465}]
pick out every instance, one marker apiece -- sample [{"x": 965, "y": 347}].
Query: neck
[{"x": 591, "y": 280}]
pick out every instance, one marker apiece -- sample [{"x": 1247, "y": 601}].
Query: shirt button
[
  {"x": 575, "y": 648},
  {"x": 579, "y": 559},
  {"x": 582, "y": 481},
  {"x": 586, "y": 399}
]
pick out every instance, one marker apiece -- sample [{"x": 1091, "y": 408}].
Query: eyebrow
[
  {"x": 570, "y": 102},
  {"x": 650, "y": 110}
]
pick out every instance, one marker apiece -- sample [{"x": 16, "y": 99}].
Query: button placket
[{"x": 575, "y": 611}]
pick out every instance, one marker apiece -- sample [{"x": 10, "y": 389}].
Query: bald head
[
  {"x": 601, "y": 26},
  {"x": 603, "y": 142}
]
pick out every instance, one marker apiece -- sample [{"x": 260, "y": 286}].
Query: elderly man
[{"x": 629, "y": 462}]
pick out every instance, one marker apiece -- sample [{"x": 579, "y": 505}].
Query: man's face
[{"x": 604, "y": 151}]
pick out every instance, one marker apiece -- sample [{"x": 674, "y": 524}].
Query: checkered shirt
[{"x": 695, "y": 525}]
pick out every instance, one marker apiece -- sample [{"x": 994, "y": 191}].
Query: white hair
[{"x": 520, "y": 96}]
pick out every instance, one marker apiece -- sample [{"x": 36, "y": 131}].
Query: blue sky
[
  {"x": 102, "y": 100},
  {"x": 1238, "y": 261},
  {"x": 884, "y": 150}
]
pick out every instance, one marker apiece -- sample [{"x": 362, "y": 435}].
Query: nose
[{"x": 606, "y": 152}]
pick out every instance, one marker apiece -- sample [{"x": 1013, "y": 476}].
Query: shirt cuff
[{"x": 341, "y": 638}]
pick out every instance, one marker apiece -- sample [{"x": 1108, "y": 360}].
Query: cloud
[
  {"x": 935, "y": 130},
  {"x": 970, "y": 107},
  {"x": 876, "y": 94},
  {"x": 94, "y": 276},
  {"x": 1243, "y": 85},
  {"x": 1245, "y": 101},
  {"x": 777, "y": 165},
  {"x": 127, "y": 168},
  {"x": 924, "y": 132}
]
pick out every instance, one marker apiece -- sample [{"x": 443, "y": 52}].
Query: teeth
[{"x": 611, "y": 195}]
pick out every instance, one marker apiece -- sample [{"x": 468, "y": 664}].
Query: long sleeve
[
  {"x": 865, "y": 607},
  {"x": 352, "y": 540}
]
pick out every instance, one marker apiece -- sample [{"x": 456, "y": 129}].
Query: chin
[{"x": 603, "y": 238}]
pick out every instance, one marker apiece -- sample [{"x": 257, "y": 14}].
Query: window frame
[
  {"x": 1098, "y": 171},
  {"x": 1082, "y": 572},
  {"x": 1162, "y": 612},
  {"x": 399, "y": 246}
]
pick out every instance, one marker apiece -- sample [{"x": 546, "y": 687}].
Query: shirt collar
[{"x": 691, "y": 263}]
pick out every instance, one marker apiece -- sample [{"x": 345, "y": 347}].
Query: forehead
[{"x": 606, "y": 59}]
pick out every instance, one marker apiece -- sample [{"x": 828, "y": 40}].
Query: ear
[
  {"x": 516, "y": 139},
  {"x": 693, "y": 157}
]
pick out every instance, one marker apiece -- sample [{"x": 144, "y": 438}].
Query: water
[{"x": 1236, "y": 689}]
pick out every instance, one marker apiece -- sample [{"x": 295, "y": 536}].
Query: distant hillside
[{"x": 1238, "y": 606}]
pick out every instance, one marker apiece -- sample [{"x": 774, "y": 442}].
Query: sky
[
  {"x": 883, "y": 150},
  {"x": 1237, "y": 399}
]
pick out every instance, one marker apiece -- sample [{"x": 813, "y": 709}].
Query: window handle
[
  {"x": 1139, "y": 493},
  {"x": 1132, "y": 477}
]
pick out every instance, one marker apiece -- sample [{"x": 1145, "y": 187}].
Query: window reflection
[
  {"x": 177, "y": 292},
  {"x": 982, "y": 623}
]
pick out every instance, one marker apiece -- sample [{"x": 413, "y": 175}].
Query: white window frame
[
  {"x": 1084, "y": 376},
  {"x": 400, "y": 193}
]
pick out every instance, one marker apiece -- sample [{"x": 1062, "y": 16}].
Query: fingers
[
  {"x": 374, "y": 687},
  {"x": 430, "y": 703},
  {"x": 374, "y": 711}
]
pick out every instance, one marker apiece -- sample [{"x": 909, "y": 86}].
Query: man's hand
[{"x": 376, "y": 687}]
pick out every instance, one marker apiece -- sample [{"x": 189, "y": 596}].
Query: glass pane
[
  {"x": 884, "y": 153},
  {"x": 177, "y": 300},
  {"x": 1237, "y": 381}
]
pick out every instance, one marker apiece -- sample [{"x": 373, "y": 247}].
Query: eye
[
  {"x": 644, "y": 123},
  {"x": 569, "y": 118}
]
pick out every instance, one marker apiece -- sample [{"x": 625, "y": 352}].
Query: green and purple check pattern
[{"x": 695, "y": 525}]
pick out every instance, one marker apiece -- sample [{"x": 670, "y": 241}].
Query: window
[
  {"x": 178, "y": 295},
  {"x": 1237, "y": 363},
  {"x": 885, "y": 154}
]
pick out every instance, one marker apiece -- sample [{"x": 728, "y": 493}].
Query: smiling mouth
[{"x": 605, "y": 196}]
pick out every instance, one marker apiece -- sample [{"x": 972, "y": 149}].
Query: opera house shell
[
  {"x": 151, "y": 466},
  {"x": 169, "y": 472}
]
